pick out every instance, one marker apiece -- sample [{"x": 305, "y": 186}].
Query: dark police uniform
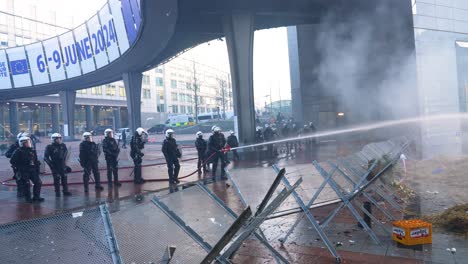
[
  {"x": 55, "y": 156},
  {"x": 25, "y": 162},
  {"x": 172, "y": 155},
  {"x": 19, "y": 184},
  {"x": 202, "y": 146},
  {"x": 89, "y": 161},
  {"x": 111, "y": 151},
  {"x": 136, "y": 145},
  {"x": 216, "y": 143},
  {"x": 233, "y": 143}
]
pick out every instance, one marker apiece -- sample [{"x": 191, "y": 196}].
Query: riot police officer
[
  {"x": 233, "y": 143},
  {"x": 137, "y": 143},
  {"x": 111, "y": 150},
  {"x": 216, "y": 143},
  {"x": 202, "y": 146},
  {"x": 89, "y": 154},
  {"x": 55, "y": 155},
  {"x": 25, "y": 162},
  {"x": 172, "y": 154},
  {"x": 9, "y": 153}
]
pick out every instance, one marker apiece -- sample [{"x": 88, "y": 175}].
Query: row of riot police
[
  {"x": 213, "y": 150},
  {"x": 25, "y": 163},
  {"x": 89, "y": 154}
]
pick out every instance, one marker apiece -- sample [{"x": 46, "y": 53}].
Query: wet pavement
[{"x": 304, "y": 244}]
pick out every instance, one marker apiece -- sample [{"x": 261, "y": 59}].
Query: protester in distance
[
  {"x": 216, "y": 144},
  {"x": 137, "y": 143},
  {"x": 201, "y": 145},
  {"x": 172, "y": 154},
  {"x": 25, "y": 162},
  {"x": 9, "y": 153},
  {"x": 55, "y": 155},
  {"x": 124, "y": 139},
  {"x": 286, "y": 133},
  {"x": 268, "y": 135},
  {"x": 111, "y": 150},
  {"x": 233, "y": 143},
  {"x": 89, "y": 154}
]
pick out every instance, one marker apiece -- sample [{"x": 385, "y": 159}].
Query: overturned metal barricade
[{"x": 212, "y": 221}]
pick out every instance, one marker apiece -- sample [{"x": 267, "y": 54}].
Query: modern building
[{"x": 167, "y": 89}]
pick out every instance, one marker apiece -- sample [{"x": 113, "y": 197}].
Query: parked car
[
  {"x": 160, "y": 128},
  {"x": 118, "y": 133},
  {"x": 99, "y": 130}
]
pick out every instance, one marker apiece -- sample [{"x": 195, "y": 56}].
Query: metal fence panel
[
  {"x": 65, "y": 238},
  {"x": 200, "y": 212},
  {"x": 144, "y": 232}
]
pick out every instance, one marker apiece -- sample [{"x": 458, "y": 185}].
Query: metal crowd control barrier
[
  {"x": 212, "y": 222},
  {"x": 80, "y": 237},
  {"x": 358, "y": 184},
  {"x": 264, "y": 209}
]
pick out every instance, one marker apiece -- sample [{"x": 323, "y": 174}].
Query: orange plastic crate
[{"x": 412, "y": 232}]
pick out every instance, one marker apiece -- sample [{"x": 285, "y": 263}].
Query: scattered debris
[
  {"x": 339, "y": 244},
  {"x": 352, "y": 242},
  {"x": 453, "y": 250},
  {"x": 433, "y": 192},
  {"x": 453, "y": 219}
]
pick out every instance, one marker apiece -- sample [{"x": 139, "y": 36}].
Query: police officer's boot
[
  {"x": 109, "y": 177},
  {"x": 37, "y": 193},
  {"x": 98, "y": 186},
  {"x": 65, "y": 186},
  {"x": 116, "y": 178},
  {"x": 27, "y": 193},
  {"x": 57, "y": 185},
  {"x": 86, "y": 183}
]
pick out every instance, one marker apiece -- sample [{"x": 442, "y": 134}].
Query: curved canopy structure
[{"x": 131, "y": 35}]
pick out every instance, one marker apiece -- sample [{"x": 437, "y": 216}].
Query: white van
[
  {"x": 206, "y": 117},
  {"x": 180, "y": 120}
]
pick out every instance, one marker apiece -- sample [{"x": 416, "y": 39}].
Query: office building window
[
  {"x": 182, "y": 109},
  {"x": 158, "y": 70},
  {"x": 189, "y": 86},
  {"x": 122, "y": 92},
  {"x": 190, "y": 109},
  {"x": 146, "y": 93},
  {"x": 174, "y": 84},
  {"x": 174, "y": 97},
  {"x": 161, "y": 108},
  {"x": 175, "y": 109},
  {"x": 159, "y": 81},
  {"x": 146, "y": 79},
  {"x": 96, "y": 90},
  {"x": 110, "y": 90}
]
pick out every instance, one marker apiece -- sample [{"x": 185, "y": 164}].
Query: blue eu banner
[{"x": 19, "y": 67}]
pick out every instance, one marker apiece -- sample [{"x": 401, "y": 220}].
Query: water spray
[{"x": 363, "y": 127}]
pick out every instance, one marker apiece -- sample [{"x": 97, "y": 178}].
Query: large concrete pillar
[
  {"x": 89, "y": 117},
  {"x": 13, "y": 118},
  {"x": 67, "y": 99},
  {"x": 55, "y": 118},
  {"x": 117, "y": 122},
  {"x": 239, "y": 31},
  {"x": 132, "y": 83}
]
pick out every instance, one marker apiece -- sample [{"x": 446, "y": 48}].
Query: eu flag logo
[{"x": 19, "y": 67}]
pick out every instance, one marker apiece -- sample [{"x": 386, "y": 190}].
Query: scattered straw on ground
[{"x": 454, "y": 219}]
